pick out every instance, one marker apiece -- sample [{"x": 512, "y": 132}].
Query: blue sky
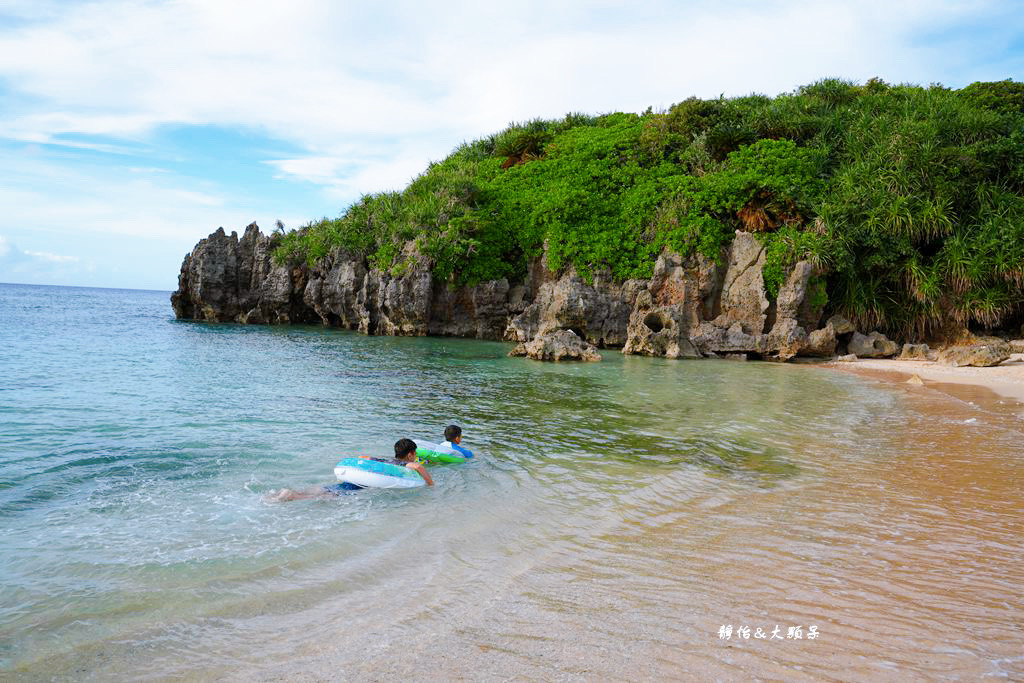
[{"x": 131, "y": 129}]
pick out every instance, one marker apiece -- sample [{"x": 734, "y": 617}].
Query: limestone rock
[
  {"x": 560, "y": 345},
  {"x": 208, "y": 282},
  {"x": 821, "y": 342},
  {"x": 404, "y": 304},
  {"x": 225, "y": 279},
  {"x": 874, "y": 345},
  {"x": 1016, "y": 345},
  {"x": 841, "y": 325},
  {"x": 680, "y": 293},
  {"x": 333, "y": 290},
  {"x": 915, "y": 352},
  {"x": 658, "y": 331},
  {"x": 793, "y": 293},
  {"x": 977, "y": 355},
  {"x": 690, "y": 307},
  {"x": 481, "y": 311},
  {"x": 598, "y": 312},
  {"x": 786, "y": 339},
  {"x": 743, "y": 297},
  {"x": 673, "y": 302},
  {"x": 848, "y": 358},
  {"x": 268, "y": 292}
]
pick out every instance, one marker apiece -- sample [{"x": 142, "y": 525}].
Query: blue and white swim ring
[{"x": 370, "y": 473}]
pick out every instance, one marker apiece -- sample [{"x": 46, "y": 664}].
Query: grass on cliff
[{"x": 908, "y": 200}]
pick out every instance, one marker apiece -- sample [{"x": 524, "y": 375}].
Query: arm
[{"x": 423, "y": 472}]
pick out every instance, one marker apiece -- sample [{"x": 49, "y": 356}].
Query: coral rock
[
  {"x": 874, "y": 345},
  {"x": 977, "y": 355},
  {"x": 557, "y": 346}
]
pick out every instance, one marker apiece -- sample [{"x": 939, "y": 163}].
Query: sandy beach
[{"x": 1005, "y": 379}]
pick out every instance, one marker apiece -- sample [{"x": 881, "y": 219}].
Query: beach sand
[{"x": 1005, "y": 379}]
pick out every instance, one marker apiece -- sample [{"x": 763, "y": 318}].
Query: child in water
[
  {"x": 452, "y": 439},
  {"x": 405, "y": 456}
]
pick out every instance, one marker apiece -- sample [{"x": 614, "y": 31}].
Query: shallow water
[{"x": 619, "y": 514}]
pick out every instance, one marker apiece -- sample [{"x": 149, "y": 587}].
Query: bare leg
[{"x": 285, "y": 495}]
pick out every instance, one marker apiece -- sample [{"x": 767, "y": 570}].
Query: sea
[{"x": 632, "y": 519}]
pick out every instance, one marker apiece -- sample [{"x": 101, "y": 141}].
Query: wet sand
[{"x": 1005, "y": 379}]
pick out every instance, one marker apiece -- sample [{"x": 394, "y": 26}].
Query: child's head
[
  {"x": 404, "y": 448},
  {"x": 452, "y": 432}
]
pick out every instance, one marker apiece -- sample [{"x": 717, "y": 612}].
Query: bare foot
[
  {"x": 282, "y": 496},
  {"x": 285, "y": 495}
]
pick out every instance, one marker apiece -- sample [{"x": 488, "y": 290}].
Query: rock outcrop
[
  {"x": 825, "y": 341},
  {"x": 226, "y": 279},
  {"x": 874, "y": 345},
  {"x": 690, "y": 308},
  {"x": 978, "y": 355},
  {"x": 559, "y": 345}
]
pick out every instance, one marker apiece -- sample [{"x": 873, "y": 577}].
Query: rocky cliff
[{"x": 690, "y": 308}]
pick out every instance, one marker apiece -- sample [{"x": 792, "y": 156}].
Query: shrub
[{"x": 908, "y": 200}]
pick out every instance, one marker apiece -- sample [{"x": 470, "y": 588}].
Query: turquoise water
[{"x": 137, "y": 452}]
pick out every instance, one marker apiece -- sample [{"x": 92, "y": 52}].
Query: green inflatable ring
[{"x": 436, "y": 457}]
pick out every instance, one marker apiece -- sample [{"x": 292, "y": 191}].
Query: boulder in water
[{"x": 558, "y": 346}]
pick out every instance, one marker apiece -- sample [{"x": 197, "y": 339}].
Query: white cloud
[
  {"x": 15, "y": 261},
  {"x": 321, "y": 73},
  {"x": 52, "y": 258},
  {"x": 47, "y": 197},
  {"x": 323, "y": 170},
  {"x": 350, "y": 176},
  {"x": 370, "y": 92}
]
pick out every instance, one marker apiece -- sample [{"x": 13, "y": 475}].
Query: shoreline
[{"x": 1006, "y": 380}]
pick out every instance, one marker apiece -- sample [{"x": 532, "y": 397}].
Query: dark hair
[
  {"x": 452, "y": 432},
  {"x": 404, "y": 447}
]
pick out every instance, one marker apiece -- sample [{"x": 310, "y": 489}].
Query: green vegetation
[{"x": 908, "y": 200}]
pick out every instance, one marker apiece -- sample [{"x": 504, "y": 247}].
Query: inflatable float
[
  {"x": 370, "y": 473},
  {"x": 438, "y": 453}
]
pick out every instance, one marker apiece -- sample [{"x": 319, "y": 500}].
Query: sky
[{"x": 131, "y": 129}]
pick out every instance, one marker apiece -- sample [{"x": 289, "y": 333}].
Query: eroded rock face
[
  {"x": 598, "y": 312},
  {"x": 665, "y": 313},
  {"x": 977, "y": 355},
  {"x": 333, "y": 290},
  {"x": 208, "y": 283},
  {"x": 226, "y": 279},
  {"x": 743, "y": 297},
  {"x": 658, "y": 331},
  {"x": 690, "y": 308},
  {"x": 481, "y": 311},
  {"x": 560, "y": 345}
]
